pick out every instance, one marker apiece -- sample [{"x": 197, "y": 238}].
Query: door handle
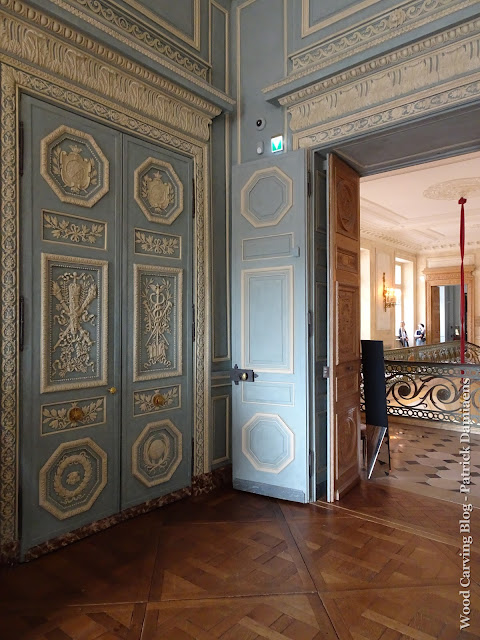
[{"x": 112, "y": 390}]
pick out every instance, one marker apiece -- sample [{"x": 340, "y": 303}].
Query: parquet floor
[{"x": 381, "y": 565}]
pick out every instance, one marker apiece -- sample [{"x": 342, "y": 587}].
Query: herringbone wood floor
[{"x": 381, "y": 565}]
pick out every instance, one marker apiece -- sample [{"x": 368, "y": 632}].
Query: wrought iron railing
[{"x": 434, "y": 391}]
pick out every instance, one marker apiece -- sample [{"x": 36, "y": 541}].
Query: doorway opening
[{"x": 447, "y": 139}]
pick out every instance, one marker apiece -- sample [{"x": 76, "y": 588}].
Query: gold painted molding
[
  {"x": 76, "y": 80},
  {"x": 84, "y": 64},
  {"x": 398, "y": 81},
  {"x": 143, "y": 49},
  {"x": 411, "y": 15}
]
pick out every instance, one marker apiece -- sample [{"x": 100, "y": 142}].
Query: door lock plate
[{"x": 242, "y": 375}]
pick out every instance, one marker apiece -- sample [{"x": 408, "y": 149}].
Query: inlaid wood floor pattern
[{"x": 382, "y": 564}]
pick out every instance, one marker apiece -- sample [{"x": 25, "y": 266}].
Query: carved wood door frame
[{"x": 127, "y": 102}]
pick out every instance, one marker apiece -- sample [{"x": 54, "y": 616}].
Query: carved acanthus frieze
[
  {"x": 399, "y": 80},
  {"x": 67, "y": 61}
]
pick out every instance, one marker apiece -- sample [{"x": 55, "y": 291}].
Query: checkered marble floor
[{"x": 427, "y": 461}]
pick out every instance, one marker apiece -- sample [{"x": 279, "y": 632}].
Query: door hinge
[
  {"x": 309, "y": 183},
  {"x": 193, "y": 322},
  {"x": 311, "y": 461},
  {"x": 21, "y": 147},
  {"x": 193, "y": 198},
  {"x": 193, "y": 455},
  {"x": 21, "y": 323},
  {"x": 310, "y": 324},
  {"x": 326, "y": 372}
]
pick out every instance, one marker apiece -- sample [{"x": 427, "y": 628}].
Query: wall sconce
[{"x": 389, "y": 296}]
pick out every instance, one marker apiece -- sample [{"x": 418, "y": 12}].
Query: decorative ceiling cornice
[
  {"x": 413, "y": 247},
  {"x": 37, "y": 38},
  {"x": 410, "y": 15},
  {"x": 141, "y": 44},
  {"x": 392, "y": 59},
  {"x": 453, "y": 189},
  {"x": 403, "y": 79}
]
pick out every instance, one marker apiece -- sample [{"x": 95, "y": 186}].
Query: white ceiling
[{"x": 395, "y": 210}]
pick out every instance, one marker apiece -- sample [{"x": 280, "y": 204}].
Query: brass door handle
[
  {"x": 113, "y": 390},
  {"x": 244, "y": 376}
]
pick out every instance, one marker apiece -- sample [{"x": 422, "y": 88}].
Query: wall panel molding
[{"x": 308, "y": 28}]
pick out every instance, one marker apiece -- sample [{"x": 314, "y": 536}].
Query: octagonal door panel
[
  {"x": 70, "y": 282},
  {"x": 157, "y": 322},
  {"x": 270, "y": 426}
]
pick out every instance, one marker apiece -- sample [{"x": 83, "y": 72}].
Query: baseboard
[{"x": 9, "y": 554}]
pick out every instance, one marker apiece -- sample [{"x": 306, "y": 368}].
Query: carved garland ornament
[
  {"x": 62, "y": 60},
  {"x": 62, "y": 228},
  {"x": 157, "y": 453},
  {"x": 69, "y": 415}
]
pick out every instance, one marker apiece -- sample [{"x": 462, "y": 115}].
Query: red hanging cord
[{"x": 462, "y": 201}]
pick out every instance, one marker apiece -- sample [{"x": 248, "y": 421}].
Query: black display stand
[{"x": 375, "y": 394}]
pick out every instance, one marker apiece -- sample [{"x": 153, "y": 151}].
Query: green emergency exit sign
[{"x": 277, "y": 144}]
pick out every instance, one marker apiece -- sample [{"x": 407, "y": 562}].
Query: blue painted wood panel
[{"x": 270, "y": 425}]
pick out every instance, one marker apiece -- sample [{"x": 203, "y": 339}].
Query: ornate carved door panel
[
  {"x": 70, "y": 282},
  {"x": 344, "y": 321},
  {"x": 157, "y": 320},
  {"x": 270, "y": 426},
  {"x": 107, "y": 285}
]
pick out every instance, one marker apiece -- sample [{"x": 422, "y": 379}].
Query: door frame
[
  {"x": 114, "y": 94},
  {"x": 321, "y": 152},
  {"x": 435, "y": 277}
]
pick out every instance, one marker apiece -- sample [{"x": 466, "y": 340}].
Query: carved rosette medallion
[
  {"x": 74, "y": 322},
  {"x": 157, "y": 323},
  {"x": 158, "y": 191},
  {"x": 74, "y": 166},
  {"x": 73, "y": 478},
  {"x": 156, "y": 453}
]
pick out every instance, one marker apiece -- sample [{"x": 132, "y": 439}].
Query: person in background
[
  {"x": 402, "y": 334},
  {"x": 420, "y": 335}
]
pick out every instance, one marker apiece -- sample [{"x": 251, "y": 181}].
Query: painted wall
[
  {"x": 283, "y": 46},
  {"x": 382, "y": 323}
]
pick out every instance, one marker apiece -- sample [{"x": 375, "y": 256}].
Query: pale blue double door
[{"x": 106, "y": 359}]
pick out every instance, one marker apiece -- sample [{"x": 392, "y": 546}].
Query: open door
[
  {"x": 344, "y": 327},
  {"x": 270, "y": 425}
]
